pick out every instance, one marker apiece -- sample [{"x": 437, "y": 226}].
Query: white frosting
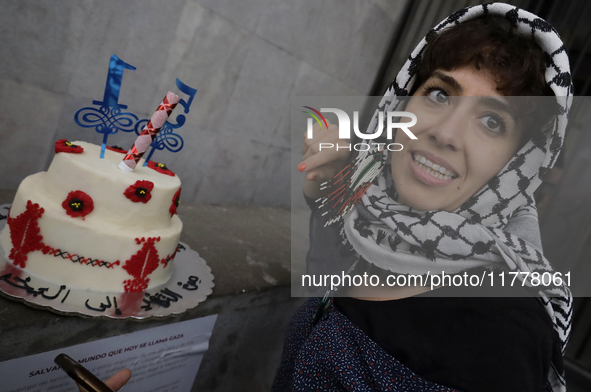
[{"x": 109, "y": 232}]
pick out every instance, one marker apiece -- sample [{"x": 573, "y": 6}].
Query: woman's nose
[{"x": 449, "y": 131}]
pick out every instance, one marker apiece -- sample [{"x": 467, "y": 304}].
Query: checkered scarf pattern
[{"x": 473, "y": 235}]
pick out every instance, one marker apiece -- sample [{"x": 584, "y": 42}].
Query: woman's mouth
[{"x": 430, "y": 173}]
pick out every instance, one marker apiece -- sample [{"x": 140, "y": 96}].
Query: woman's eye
[
  {"x": 493, "y": 123},
  {"x": 438, "y": 96}
]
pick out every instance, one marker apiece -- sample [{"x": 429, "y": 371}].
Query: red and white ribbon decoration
[{"x": 146, "y": 137}]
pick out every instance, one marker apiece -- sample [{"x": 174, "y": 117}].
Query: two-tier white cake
[{"x": 87, "y": 224}]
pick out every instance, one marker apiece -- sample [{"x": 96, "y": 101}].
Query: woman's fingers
[
  {"x": 324, "y": 147},
  {"x": 324, "y": 156},
  {"x": 116, "y": 381},
  {"x": 319, "y": 134},
  {"x": 324, "y": 173},
  {"x": 119, "y": 379},
  {"x": 325, "y": 163}
]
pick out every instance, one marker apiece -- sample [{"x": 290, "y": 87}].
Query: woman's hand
[
  {"x": 322, "y": 162},
  {"x": 116, "y": 381}
]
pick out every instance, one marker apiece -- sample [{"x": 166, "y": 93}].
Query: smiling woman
[
  {"x": 463, "y": 141},
  {"x": 457, "y": 200}
]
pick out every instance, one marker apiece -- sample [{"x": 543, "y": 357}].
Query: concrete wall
[{"x": 246, "y": 58}]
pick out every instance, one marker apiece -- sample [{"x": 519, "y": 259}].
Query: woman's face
[{"x": 466, "y": 132}]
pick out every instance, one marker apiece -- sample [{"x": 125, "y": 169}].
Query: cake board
[{"x": 191, "y": 282}]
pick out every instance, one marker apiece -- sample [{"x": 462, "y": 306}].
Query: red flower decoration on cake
[
  {"x": 117, "y": 149},
  {"x": 77, "y": 204},
  {"x": 63, "y": 145},
  {"x": 160, "y": 168},
  {"x": 176, "y": 200},
  {"x": 140, "y": 191},
  {"x": 24, "y": 234}
]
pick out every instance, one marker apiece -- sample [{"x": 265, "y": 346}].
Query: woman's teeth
[{"x": 432, "y": 168}]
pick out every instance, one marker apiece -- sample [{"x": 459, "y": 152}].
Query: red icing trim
[
  {"x": 176, "y": 200},
  {"x": 24, "y": 234},
  {"x": 169, "y": 258},
  {"x": 77, "y": 258},
  {"x": 141, "y": 191},
  {"x": 25, "y": 238},
  {"x": 78, "y": 203},
  {"x": 160, "y": 168},
  {"x": 63, "y": 145},
  {"x": 142, "y": 264}
]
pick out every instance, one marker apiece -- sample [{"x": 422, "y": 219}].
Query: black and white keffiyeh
[{"x": 473, "y": 235}]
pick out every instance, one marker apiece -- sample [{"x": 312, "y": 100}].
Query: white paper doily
[{"x": 191, "y": 282}]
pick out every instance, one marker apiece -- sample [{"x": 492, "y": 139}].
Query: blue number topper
[
  {"x": 166, "y": 138},
  {"x": 108, "y": 119}
]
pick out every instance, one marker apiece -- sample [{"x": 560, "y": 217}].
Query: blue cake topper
[
  {"x": 108, "y": 118},
  {"x": 166, "y": 138}
]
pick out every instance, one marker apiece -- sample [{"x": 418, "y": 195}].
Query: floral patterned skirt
[{"x": 335, "y": 355}]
